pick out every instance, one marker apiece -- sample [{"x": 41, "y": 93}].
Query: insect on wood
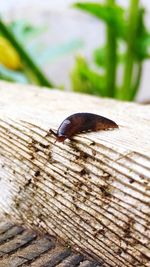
[{"x": 82, "y": 122}]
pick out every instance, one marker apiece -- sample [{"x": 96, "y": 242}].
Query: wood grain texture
[{"x": 92, "y": 192}]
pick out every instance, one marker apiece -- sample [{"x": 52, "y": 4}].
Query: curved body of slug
[{"x": 82, "y": 122}]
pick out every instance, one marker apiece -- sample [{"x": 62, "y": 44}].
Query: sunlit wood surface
[{"x": 93, "y": 192}]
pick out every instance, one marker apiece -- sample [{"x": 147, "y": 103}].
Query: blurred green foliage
[
  {"x": 22, "y": 53},
  {"x": 124, "y": 28},
  {"x": 126, "y": 47}
]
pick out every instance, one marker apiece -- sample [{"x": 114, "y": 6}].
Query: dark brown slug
[{"x": 82, "y": 122}]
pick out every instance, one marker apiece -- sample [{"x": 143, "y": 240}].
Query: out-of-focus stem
[
  {"x": 137, "y": 81},
  {"x": 111, "y": 58},
  {"x": 27, "y": 60},
  {"x": 129, "y": 61}
]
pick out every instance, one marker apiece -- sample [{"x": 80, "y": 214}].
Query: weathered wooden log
[{"x": 93, "y": 192}]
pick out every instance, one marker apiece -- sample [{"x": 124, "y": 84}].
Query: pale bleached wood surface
[{"x": 92, "y": 192}]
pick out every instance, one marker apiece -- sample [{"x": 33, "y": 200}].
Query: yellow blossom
[{"x": 8, "y": 55}]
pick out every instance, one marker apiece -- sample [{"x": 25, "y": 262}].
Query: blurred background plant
[
  {"x": 116, "y": 69},
  {"x": 22, "y": 55},
  {"x": 111, "y": 63}
]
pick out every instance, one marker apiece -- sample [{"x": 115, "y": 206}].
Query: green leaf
[
  {"x": 24, "y": 31},
  {"x": 52, "y": 53},
  {"x": 28, "y": 36},
  {"x": 143, "y": 47},
  {"x": 113, "y": 15},
  {"x": 99, "y": 56},
  {"x": 13, "y": 76},
  {"x": 86, "y": 80}
]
